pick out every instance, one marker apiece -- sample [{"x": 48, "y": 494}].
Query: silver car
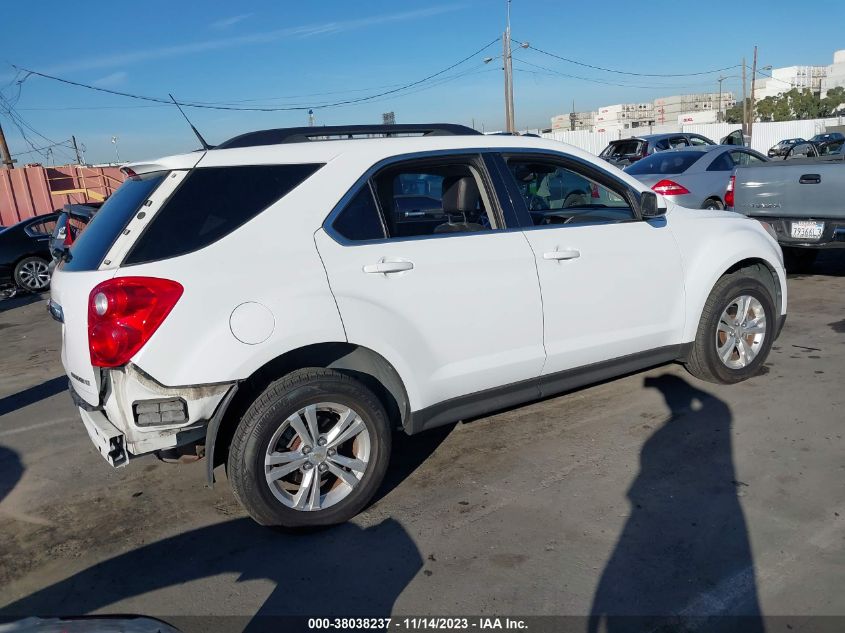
[{"x": 695, "y": 177}]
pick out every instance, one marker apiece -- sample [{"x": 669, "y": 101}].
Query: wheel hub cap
[
  {"x": 740, "y": 332},
  {"x": 317, "y": 456}
]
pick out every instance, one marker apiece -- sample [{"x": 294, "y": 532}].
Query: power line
[
  {"x": 623, "y": 72},
  {"x": 255, "y": 108},
  {"x": 41, "y": 149},
  {"x": 552, "y": 71}
]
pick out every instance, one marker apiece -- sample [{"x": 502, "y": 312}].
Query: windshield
[{"x": 665, "y": 163}]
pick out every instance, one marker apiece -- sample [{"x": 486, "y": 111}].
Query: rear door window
[
  {"x": 722, "y": 163},
  {"x": 211, "y": 203},
  {"x": 678, "y": 141},
  {"x": 360, "y": 218},
  {"x": 89, "y": 250}
]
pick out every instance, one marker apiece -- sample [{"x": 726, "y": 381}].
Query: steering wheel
[
  {"x": 576, "y": 198},
  {"x": 536, "y": 203}
]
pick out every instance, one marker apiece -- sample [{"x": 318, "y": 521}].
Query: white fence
[{"x": 763, "y": 135}]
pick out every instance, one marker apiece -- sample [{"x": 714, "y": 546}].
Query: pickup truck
[{"x": 801, "y": 200}]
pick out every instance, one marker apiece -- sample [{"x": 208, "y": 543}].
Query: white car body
[{"x": 282, "y": 283}]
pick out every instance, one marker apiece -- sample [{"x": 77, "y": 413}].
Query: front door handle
[
  {"x": 560, "y": 255},
  {"x": 385, "y": 267},
  {"x": 810, "y": 179}
]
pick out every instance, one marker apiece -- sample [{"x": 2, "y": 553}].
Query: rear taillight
[
  {"x": 670, "y": 188},
  {"x": 123, "y": 313},
  {"x": 729, "y": 194}
]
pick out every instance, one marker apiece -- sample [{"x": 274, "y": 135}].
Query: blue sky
[{"x": 308, "y": 53}]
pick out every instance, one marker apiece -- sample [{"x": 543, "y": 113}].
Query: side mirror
[{"x": 649, "y": 205}]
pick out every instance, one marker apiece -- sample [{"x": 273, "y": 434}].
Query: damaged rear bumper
[{"x": 138, "y": 415}]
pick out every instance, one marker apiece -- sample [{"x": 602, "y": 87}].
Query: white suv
[{"x": 281, "y": 303}]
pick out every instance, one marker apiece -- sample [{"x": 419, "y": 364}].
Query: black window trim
[
  {"x": 579, "y": 167},
  {"x": 474, "y": 157}
]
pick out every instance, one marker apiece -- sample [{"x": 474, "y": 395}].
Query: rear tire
[
  {"x": 287, "y": 464},
  {"x": 799, "y": 260},
  {"x": 32, "y": 274},
  {"x": 713, "y": 204},
  {"x": 729, "y": 346}
]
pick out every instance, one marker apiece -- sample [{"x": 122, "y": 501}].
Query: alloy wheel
[
  {"x": 317, "y": 456},
  {"x": 740, "y": 332},
  {"x": 34, "y": 275}
]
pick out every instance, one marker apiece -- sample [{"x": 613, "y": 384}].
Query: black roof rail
[{"x": 333, "y": 132}]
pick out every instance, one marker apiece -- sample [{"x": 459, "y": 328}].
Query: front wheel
[
  {"x": 736, "y": 330},
  {"x": 310, "y": 451}
]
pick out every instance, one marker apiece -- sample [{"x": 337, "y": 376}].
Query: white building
[
  {"x": 668, "y": 109},
  {"x": 835, "y": 73},
  {"x": 785, "y": 79}
]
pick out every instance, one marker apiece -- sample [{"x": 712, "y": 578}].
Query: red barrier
[{"x": 31, "y": 191}]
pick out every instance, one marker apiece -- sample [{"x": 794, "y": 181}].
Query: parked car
[
  {"x": 781, "y": 147},
  {"x": 801, "y": 150},
  {"x": 72, "y": 219},
  {"x": 264, "y": 304},
  {"x": 696, "y": 178},
  {"x": 818, "y": 139},
  {"x": 801, "y": 200},
  {"x": 626, "y": 151},
  {"x": 25, "y": 253}
]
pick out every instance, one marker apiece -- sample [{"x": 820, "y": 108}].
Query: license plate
[{"x": 807, "y": 230}]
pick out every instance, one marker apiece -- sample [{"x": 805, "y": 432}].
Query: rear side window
[
  {"x": 722, "y": 163},
  {"x": 665, "y": 163},
  {"x": 211, "y": 203},
  {"x": 92, "y": 245},
  {"x": 622, "y": 148},
  {"x": 360, "y": 219}
]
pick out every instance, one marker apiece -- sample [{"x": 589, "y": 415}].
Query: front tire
[
  {"x": 736, "y": 330},
  {"x": 32, "y": 274},
  {"x": 311, "y": 451}
]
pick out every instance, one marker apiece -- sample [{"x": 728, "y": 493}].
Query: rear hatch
[
  {"x": 795, "y": 189},
  {"x": 83, "y": 267}
]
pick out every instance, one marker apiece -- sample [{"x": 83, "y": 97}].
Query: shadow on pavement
[
  {"x": 19, "y": 300},
  {"x": 684, "y": 552},
  {"x": 32, "y": 395},
  {"x": 11, "y": 471},
  {"x": 343, "y": 571}
]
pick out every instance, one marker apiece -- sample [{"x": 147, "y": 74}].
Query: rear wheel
[
  {"x": 736, "y": 330},
  {"x": 713, "y": 204},
  {"x": 33, "y": 274},
  {"x": 310, "y": 451}
]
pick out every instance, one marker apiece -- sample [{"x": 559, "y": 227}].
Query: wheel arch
[
  {"x": 758, "y": 266},
  {"x": 359, "y": 362}
]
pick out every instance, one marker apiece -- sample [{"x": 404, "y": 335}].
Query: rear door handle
[
  {"x": 560, "y": 255},
  {"x": 810, "y": 179},
  {"x": 385, "y": 267}
]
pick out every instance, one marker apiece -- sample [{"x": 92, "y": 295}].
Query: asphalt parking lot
[{"x": 653, "y": 493}]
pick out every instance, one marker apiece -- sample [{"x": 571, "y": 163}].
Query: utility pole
[
  {"x": 510, "y": 126},
  {"x": 744, "y": 105},
  {"x": 79, "y": 160},
  {"x": 4, "y": 151},
  {"x": 753, "y": 80},
  {"x": 720, "y": 116}
]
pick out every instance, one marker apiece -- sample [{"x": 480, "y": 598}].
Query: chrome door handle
[
  {"x": 388, "y": 267},
  {"x": 560, "y": 255}
]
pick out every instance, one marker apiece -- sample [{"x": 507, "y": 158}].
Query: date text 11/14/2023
[{"x": 417, "y": 624}]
